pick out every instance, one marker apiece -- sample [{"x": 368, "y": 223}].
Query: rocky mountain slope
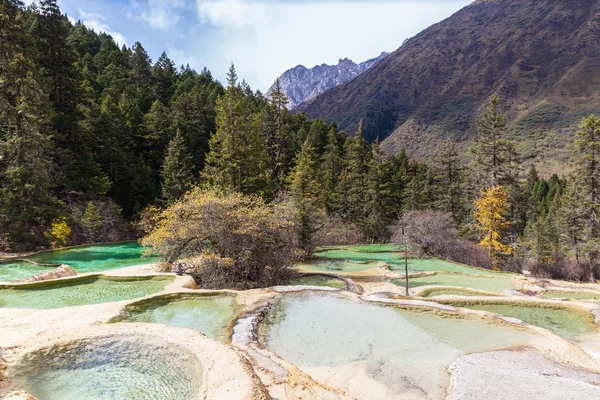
[
  {"x": 541, "y": 56},
  {"x": 302, "y": 84}
]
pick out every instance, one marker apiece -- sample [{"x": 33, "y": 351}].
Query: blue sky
[{"x": 262, "y": 37}]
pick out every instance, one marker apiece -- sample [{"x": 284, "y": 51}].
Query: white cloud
[
  {"x": 97, "y": 22},
  {"x": 235, "y": 13},
  {"x": 161, "y": 14},
  {"x": 270, "y": 37}
]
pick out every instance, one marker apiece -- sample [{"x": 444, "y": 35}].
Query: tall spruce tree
[
  {"x": 357, "y": 163},
  {"x": 586, "y": 173},
  {"x": 309, "y": 213},
  {"x": 378, "y": 204},
  {"x": 178, "y": 170},
  {"x": 451, "y": 182},
  {"x": 27, "y": 203},
  {"x": 492, "y": 152}
]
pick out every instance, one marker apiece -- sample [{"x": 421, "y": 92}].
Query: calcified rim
[{"x": 225, "y": 373}]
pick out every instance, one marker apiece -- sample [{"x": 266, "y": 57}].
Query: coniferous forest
[{"x": 93, "y": 134}]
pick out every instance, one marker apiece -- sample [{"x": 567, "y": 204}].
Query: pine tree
[
  {"x": 357, "y": 162},
  {"x": 331, "y": 167},
  {"x": 27, "y": 204},
  {"x": 493, "y": 155},
  {"x": 238, "y": 159},
  {"x": 305, "y": 192},
  {"x": 451, "y": 181},
  {"x": 379, "y": 208},
  {"x": 586, "y": 172},
  {"x": 91, "y": 221},
  {"x": 177, "y": 172},
  {"x": 572, "y": 221}
]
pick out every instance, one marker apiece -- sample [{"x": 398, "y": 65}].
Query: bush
[
  {"x": 228, "y": 241},
  {"x": 433, "y": 234}
]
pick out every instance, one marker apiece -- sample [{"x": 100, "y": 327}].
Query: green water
[
  {"x": 337, "y": 266},
  {"x": 565, "y": 322},
  {"x": 80, "y": 291},
  {"x": 565, "y": 294},
  {"x": 360, "y": 256},
  {"x": 213, "y": 315},
  {"x": 407, "y": 351},
  {"x": 119, "y": 369},
  {"x": 485, "y": 283},
  {"x": 318, "y": 280},
  {"x": 82, "y": 259},
  {"x": 376, "y": 248},
  {"x": 454, "y": 292},
  {"x": 434, "y": 265}
]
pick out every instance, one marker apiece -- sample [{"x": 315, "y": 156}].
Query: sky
[{"x": 263, "y": 38}]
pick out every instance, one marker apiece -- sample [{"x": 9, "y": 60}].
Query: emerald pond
[
  {"x": 211, "y": 314},
  {"x": 318, "y": 280},
  {"x": 406, "y": 351},
  {"x": 80, "y": 291},
  {"x": 124, "y": 368},
  {"x": 349, "y": 254},
  {"x": 485, "y": 283},
  {"x": 416, "y": 265},
  {"x": 570, "y": 294},
  {"x": 334, "y": 265},
  {"x": 567, "y": 322},
  {"x": 95, "y": 258}
]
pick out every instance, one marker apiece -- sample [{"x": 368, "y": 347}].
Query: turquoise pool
[{"x": 95, "y": 258}]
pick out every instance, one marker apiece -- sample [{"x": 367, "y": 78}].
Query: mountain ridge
[
  {"x": 539, "y": 55},
  {"x": 302, "y": 84}
]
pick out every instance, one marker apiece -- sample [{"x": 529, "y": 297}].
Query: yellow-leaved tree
[
  {"x": 490, "y": 208},
  {"x": 59, "y": 233}
]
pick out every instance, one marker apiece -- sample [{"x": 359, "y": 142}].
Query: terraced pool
[
  {"x": 123, "y": 368},
  {"x": 318, "y": 280},
  {"x": 80, "y": 291},
  {"x": 212, "y": 315},
  {"x": 569, "y": 323},
  {"x": 82, "y": 259},
  {"x": 337, "y": 266},
  {"x": 416, "y": 265},
  {"x": 404, "y": 352},
  {"x": 485, "y": 283}
]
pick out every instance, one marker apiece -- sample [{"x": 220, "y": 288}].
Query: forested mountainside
[
  {"x": 541, "y": 56},
  {"x": 301, "y": 84}
]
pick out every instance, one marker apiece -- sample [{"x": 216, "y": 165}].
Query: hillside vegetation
[{"x": 540, "y": 56}]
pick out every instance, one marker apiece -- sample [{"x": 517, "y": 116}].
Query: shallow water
[
  {"x": 376, "y": 248},
  {"x": 360, "y": 256},
  {"x": 485, "y": 283},
  {"x": 82, "y": 259},
  {"x": 434, "y": 265},
  {"x": 452, "y": 292},
  {"x": 565, "y": 294},
  {"x": 80, "y": 291},
  {"x": 566, "y": 322},
  {"x": 407, "y": 351},
  {"x": 318, "y": 280},
  {"x": 119, "y": 369},
  {"x": 213, "y": 315},
  {"x": 337, "y": 266}
]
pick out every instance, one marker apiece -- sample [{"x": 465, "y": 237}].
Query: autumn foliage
[
  {"x": 231, "y": 241},
  {"x": 490, "y": 208}
]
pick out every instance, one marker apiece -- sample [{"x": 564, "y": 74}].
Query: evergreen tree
[
  {"x": 379, "y": 209},
  {"x": 27, "y": 203},
  {"x": 305, "y": 191},
  {"x": 492, "y": 153},
  {"x": 357, "y": 168},
  {"x": 451, "y": 182},
  {"x": 177, "y": 172},
  {"x": 331, "y": 167},
  {"x": 91, "y": 221},
  {"x": 238, "y": 157},
  {"x": 586, "y": 172}
]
